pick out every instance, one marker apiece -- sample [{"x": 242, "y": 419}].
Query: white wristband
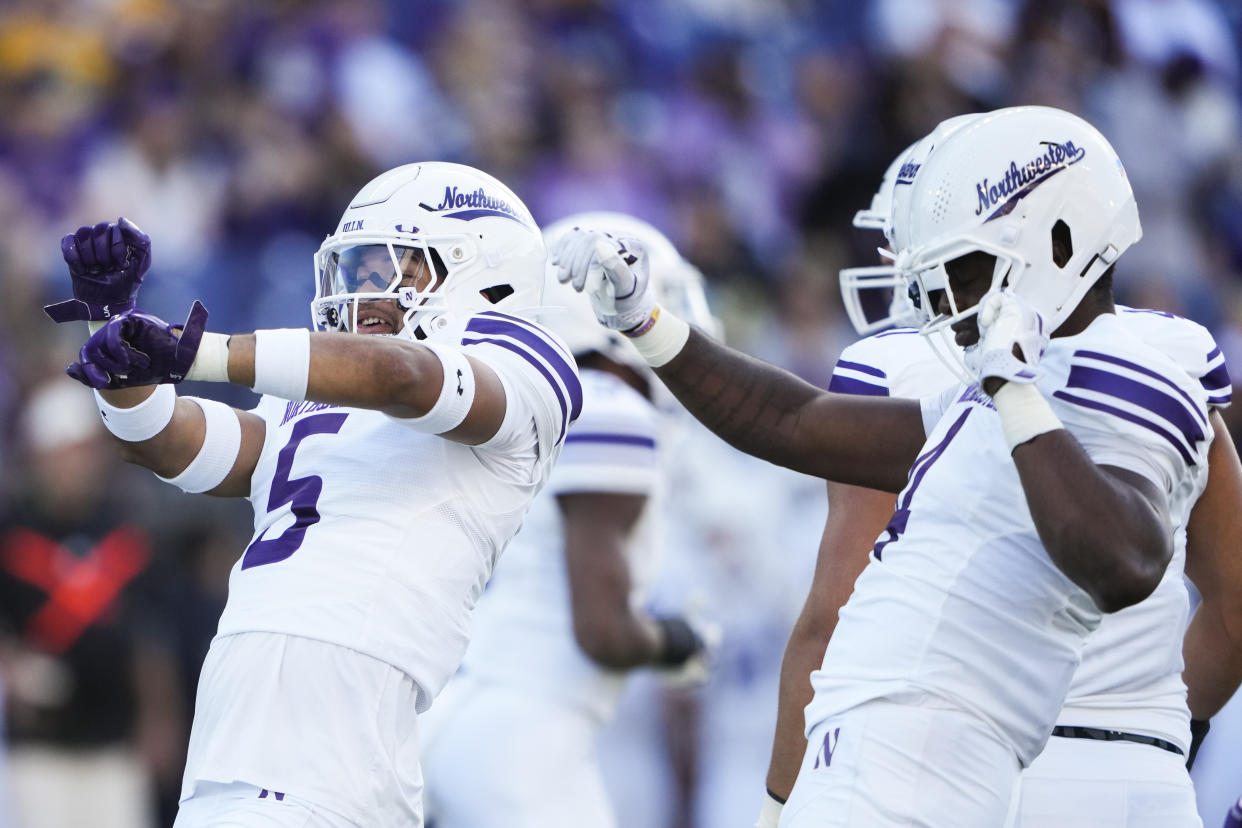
[
  {"x": 1024, "y": 413},
  {"x": 282, "y": 363},
  {"x": 770, "y": 814},
  {"x": 662, "y": 337},
  {"x": 144, "y": 420},
  {"x": 221, "y": 444},
  {"x": 211, "y": 363},
  {"x": 456, "y": 394}
]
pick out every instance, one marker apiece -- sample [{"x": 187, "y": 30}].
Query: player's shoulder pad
[
  {"x": 1187, "y": 343},
  {"x": 532, "y": 347}
]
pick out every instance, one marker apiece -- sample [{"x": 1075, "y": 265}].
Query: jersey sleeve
[
  {"x": 539, "y": 375},
  {"x": 1133, "y": 415},
  {"x": 860, "y": 370},
  {"x": 613, "y": 448},
  {"x": 1216, "y": 382}
]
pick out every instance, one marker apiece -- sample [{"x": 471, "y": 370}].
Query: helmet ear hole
[
  {"x": 1062, "y": 244},
  {"x": 495, "y": 293}
]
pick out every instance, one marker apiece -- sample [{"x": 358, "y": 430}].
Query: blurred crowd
[{"x": 235, "y": 131}]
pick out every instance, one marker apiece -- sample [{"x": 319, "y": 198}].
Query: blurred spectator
[{"x": 92, "y": 705}]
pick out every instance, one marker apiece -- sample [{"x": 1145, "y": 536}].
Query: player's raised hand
[
  {"x": 697, "y": 667},
  {"x": 1011, "y": 341},
  {"x": 106, "y": 265},
  {"x": 137, "y": 348},
  {"x": 612, "y": 271}
]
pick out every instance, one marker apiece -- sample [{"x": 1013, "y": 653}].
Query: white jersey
[
  {"x": 961, "y": 603},
  {"x": 377, "y": 537},
  {"x": 1130, "y": 677},
  {"x": 1131, "y": 673},
  {"x": 524, "y": 622}
]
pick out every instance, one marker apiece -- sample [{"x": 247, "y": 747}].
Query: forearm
[
  {"x": 774, "y": 415},
  {"x": 750, "y": 404},
  {"x": 1213, "y": 656},
  {"x": 172, "y": 448},
  {"x": 394, "y": 376},
  {"x": 1095, "y": 524},
  {"x": 803, "y": 654}
]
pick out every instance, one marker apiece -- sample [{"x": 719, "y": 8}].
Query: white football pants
[
  {"x": 882, "y": 764},
  {"x": 1087, "y": 783},
  {"x": 495, "y": 755}
]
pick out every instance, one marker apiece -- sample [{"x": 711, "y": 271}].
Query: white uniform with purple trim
[
  {"x": 512, "y": 741},
  {"x": 351, "y": 605},
  {"x": 961, "y": 632}
]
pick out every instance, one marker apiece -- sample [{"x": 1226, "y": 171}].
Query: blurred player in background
[
  {"x": 513, "y": 742},
  {"x": 1033, "y": 503},
  {"x": 1129, "y": 684},
  {"x": 387, "y": 472}
]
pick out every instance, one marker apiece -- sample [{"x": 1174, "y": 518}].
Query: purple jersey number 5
[{"x": 302, "y": 493}]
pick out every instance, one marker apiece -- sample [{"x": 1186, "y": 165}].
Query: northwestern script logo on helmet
[
  {"x": 1018, "y": 182},
  {"x": 480, "y": 204}
]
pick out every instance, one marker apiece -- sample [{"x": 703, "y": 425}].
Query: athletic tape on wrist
[
  {"x": 456, "y": 394},
  {"x": 215, "y": 459},
  {"x": 660, "y": 338},
  {"x": 144, "y": 420},
  {"x": 211, "y": 363},
  {"x": 1024, "y": 412},
  {"x": 770, "y": 813},
  {"x": 282, "y": 363}
]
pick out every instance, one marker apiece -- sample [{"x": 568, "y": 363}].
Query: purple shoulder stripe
[
  {"x": 635, "y": 440},
  {"x": 861, "y": 368},
  {"x": 536, "y": 349},
  {"x": 1153, "y": 400},
  {"x": 1125, "y": 415},
  {"x": 849, "y": 385},
  {"x": 1133, "y": 366}
]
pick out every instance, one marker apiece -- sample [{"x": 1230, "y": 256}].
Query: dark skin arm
[
  {"x": 598, "y": 527},
  {"x": 397, "y": 377},
  {"x": 856, "y": 517},
  {"x": 1213, "y": 644},
  {"x": 775, "y": 416},
  {"x": 1106, "y": 528}
]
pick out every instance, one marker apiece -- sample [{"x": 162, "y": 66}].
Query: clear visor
[
  {"x": 380, "y": 271},
  {"x": 376, "y": 268}
]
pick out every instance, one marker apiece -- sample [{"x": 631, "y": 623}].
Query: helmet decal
[
  {"x": 1018, "y": 182},
  {"x": 479, "y": 202}
]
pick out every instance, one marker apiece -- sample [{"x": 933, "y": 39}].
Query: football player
[
  {"x": 562, "y": 622},
  {"x": 1129, "y": 683},
  {"x": 390, "y": 459},
  {"x": 1032, "y": 501}
]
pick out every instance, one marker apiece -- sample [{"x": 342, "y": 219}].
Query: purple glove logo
[
  {"x": 106, "y": 265},
  {"x": 137, "y": 348}
]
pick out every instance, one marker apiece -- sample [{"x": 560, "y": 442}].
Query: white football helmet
[
  {"x": 1005, "y": 184},
  {"x": 678, "y": 286},
  {"x": 866, "y": 311},
  {"x": 478, "y": 237}
]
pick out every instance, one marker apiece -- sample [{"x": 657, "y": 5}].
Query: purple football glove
[
  {"x": 106, "y": 263},
  {"x": 137, "y": 348}
]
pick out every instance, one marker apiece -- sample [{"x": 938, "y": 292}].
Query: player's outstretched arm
[
  {"x": 1213, "y": 644},
  {"x": 755, "y": 407},
  {"x": 856, "y": 517},
  {"x": 776, "y": 416}
]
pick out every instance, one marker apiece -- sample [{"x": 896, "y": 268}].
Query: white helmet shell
[
  {"x": 857, "y": 283},
  {"x": 468, "y": 226},
  {"x": 1004, "y": 185}
]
